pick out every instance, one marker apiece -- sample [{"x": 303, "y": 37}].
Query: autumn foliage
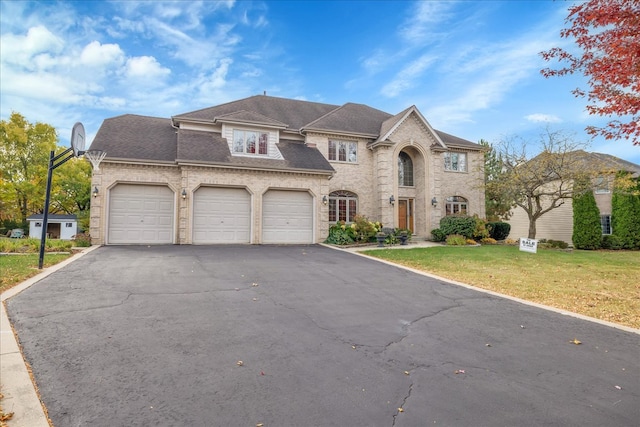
[{"x": 608, "y": 34}]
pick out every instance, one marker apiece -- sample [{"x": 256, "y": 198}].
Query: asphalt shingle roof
[{"x": 141, "y": 138}]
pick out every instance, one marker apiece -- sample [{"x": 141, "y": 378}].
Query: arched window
[
  {"x": 343, "y": 206},
  {"x": 456, "y": 205},
  {"x": 405, "y": 170}
]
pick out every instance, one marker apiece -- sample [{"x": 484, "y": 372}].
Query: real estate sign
[{"x": 528, "y": 245}]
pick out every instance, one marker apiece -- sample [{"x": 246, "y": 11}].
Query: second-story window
[
  {"x": 250, "y": 142},
  {"x": 343, "y": 151}
]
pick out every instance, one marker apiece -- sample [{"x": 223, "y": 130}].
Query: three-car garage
[{"x": 146, "y": 214}]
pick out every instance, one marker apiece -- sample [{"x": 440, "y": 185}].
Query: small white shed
[{"x": 62, "y": 227}]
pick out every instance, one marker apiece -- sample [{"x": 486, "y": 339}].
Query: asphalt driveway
[{"x": 143, "y": 336}]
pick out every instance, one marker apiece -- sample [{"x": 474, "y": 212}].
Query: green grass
[
  {"x": 17, "y": 268},
  {"x": 600, "y": 284}
]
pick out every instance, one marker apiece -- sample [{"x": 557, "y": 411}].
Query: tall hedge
[
  {"x": 625, "y": 219},
  {"x": 499, "y": 230},
  {"x": 587, "y": 230}
]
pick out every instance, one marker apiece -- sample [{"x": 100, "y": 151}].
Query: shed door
[
  {"x": 287, "y": 217},
  {"x": 221, "y": 215},
  {"x": 140, "y": 214}
]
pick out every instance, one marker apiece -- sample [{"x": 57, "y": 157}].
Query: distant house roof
[
  {"x": 52, "y": 217},
  {"x": 135, "y": 138}
]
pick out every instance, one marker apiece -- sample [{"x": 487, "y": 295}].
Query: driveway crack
[{"x": 402, "y": 405}]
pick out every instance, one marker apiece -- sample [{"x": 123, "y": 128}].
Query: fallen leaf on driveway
[
  {"x": 406, "y": 372},
  {"x": 459, "y": 371},
  {"x": 239, "y": 363},
  {"x": 618, "y": 387},
  {"x": 575, "y": 341},
  {"x": 254, "y": 284},
  {"x": 400, "y": 410}
]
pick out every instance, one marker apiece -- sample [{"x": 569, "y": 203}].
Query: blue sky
[{"x": 471, "y": 67}]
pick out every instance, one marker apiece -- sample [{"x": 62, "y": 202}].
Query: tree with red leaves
[{"x": 608, "y": 33}]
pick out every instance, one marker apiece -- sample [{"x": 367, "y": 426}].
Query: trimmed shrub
[
  {"x": 340, "y": 234},
  {"x": 82, "y": 240},
  {"x": 488, "y": 241},
  {"x": 611, "y": 242},
  {"x": 456, "y": 240},
  {"x": 499, "y": 230},
  {"x": 587, "y": 230},
  {"x": 625, "y": 219},
  {"x": 480, "y": 231},
  {"x": 462, "y": 225},
  {"x": 438, "y": 235}
]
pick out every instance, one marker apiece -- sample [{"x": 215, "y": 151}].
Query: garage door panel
[
  {"x": 287, "y": 217},
  {"x": 221, "y": 215},
  {"x": 141, "y": 214}
]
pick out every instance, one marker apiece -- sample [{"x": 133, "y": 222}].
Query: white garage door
[
  {"x": 140, "y": 214},
  {"x": 221, "y": 215},
  {"x": 287, "y": 217}
]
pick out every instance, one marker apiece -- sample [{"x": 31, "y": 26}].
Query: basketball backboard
[{"x": 78, "y": 139}]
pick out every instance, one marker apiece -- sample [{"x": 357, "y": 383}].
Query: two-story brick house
[{"x": 274, "y": 170}]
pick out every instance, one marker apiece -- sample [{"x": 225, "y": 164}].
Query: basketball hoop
[{"x": 95, "y": 157}]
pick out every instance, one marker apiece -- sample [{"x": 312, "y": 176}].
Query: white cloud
[
  {"x": 419, "y": 27},
  {"x": 145, "y": 67},
  {"x": 19, "y": 50},
  {"x": 100, "y": 55},
  {"x": 544, "y": 118},
  {"x": 405, "y": 78}
]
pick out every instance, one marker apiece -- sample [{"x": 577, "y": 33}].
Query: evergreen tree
[
  {"x": 587, "y": 230},
  {"x": 625, "y": 211}
]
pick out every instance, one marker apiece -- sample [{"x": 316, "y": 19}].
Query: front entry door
[{"x": 405, "y": 214}]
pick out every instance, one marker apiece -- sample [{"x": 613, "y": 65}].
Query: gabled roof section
[
  {"x": 354, "y": 119},
  {"x": 392, "y": 123},
  {"x": 294, "y": 113},
  {"x": 139, "y": 138},
  {"x": 250, "y": 117},
  {"x": 455, "y": 142},
  {"x": 617, "y": 163}
]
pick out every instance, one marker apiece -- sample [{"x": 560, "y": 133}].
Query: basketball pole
[{"x": 52, "y": 165}]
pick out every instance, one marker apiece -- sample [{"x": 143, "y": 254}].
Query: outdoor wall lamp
[
  {"x": 184, "y": 193},
  {"x": 392, "y": 200},
  {"x": 325, "y": 200},
  {"x": 95, "y": 192},
  {"x": 434, "y": 202}
]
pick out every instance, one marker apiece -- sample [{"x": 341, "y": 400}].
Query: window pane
[
  {"x": 332, "y": 150},
  {"x": 251, "y": 142},
  {"x": 342, "y": 151},
  {"x": 447, "y": 161},
  {"x": 238, "y": 142},
  {"x": 264, "y": 139},
  {"x": 352, "y": 209},
  {"x": 332, "y": 210},
  {"x": 463, "y": 208},
  {"x": 454, "y": 161},
  {"x": 462, "y": 162},
  {"x": 353, "y": 151},
  {"x": 342, "y": 210}
]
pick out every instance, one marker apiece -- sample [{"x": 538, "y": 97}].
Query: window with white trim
[
  {"x": 456, "y": 162},
  {"x": 456, "y": 205},
  {"x": 343, "y": 151},
  {"x": 250, "y": 142},
  {"x": 605, "y": 222},
  {"x": 343, "y": 206},
  {"x": 405, "y": 170}
]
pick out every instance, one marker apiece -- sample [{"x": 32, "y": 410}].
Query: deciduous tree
[
  {"x": 24, "y": 159},
  {"x": 608, "y": 35},
  {"x": 542, "y": 183}
]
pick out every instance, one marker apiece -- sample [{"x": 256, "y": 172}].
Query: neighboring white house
[
  {"x": 62, "y": 227},
  {"x": 557, "y": 224}
]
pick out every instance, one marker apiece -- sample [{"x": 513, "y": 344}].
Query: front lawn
[
  {"x": 600, "y": 284},
  {"x": 17, "y": 268}
]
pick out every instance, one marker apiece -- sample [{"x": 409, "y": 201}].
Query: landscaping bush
[
  {"x": 625, "y": 219},
  {"x": 551, "y": 244},
  {"x": 438, "y": 235},
  {"x": 393, "y": 235},
  {"x": 499, "y": 230},
  {"x": 611, "y": 242},
  {"x": 587, "y": 231},
  {"x": 360, "y": 231},
  {"x": 462, "y": 225},
  {"x": 488, "y": 241},
  {"x": 480, "y": 228},
  {"x": 456, "y": 240},
  {"x": 340, "y": 234},
  {"x": 82, "y": 240}
]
